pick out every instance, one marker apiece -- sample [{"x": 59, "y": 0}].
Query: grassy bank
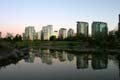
[
  {"x": 58, "y": 45},
  {"x": 52, "y": 43}
]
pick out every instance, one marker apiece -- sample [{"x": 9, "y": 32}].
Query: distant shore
[{"x": 56, "y": 45}]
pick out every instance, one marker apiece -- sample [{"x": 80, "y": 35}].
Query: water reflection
[
  {"x": 99, "y": 65},
  {"x": 82, "y": 61},
  {"x": 99, "y": 61},
  {"x": 46, "y": 57},
  {"x": 117, "y": 58},
  {"x": 30, "y": 58},
  {"x": 70, "y": 57}
]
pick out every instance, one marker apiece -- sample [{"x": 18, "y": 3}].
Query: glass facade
[
  {"x": 82, "y": 28},
  {"x": 99, "y": 28}
]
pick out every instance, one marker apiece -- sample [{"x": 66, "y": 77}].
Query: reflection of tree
[
  {"x": 82, "y": 61},
  {"x": 62, "y": 56},
  {"x": 99, "y": 61},
  {"x": 6, "y": 62},
  {"x": 12, "y": 57}
]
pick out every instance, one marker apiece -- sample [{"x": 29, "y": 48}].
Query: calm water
[{"x": 60, "y": 65}]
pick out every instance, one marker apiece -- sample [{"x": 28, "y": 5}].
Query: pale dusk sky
[{"x": 15, "y": 15}]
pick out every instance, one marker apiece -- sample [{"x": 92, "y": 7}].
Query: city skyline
[
  {"x": 81, "y": 28},
  {"x": 17, "y": 14}
]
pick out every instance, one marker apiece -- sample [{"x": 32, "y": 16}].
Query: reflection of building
[
  {"x": 99, "y": 28},
  {"x": 70, "y": 33},
  {"x": 46, "y": 58},
  {"x": 119, "y": 65},
  {"x": 29, "y": 33},
  {"x": 70, "y": 57},
  {"x": 62, "y": 56},
  {"x": 99, "y": 61},
  {"x": 54, "y": 53},
  {"x": 116, "y": 59},
  {"x": 62, "y": 33},
  {"x": 82, "y": 28},
  {"x": 47, "y": 32},
  {"x": 30, "y": 58},
  {"x": 82, "y": 61}
]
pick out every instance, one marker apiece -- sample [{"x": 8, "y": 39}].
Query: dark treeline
[
  {"x": 11, "y": 39},
  {"x": 100, "y": 41}
]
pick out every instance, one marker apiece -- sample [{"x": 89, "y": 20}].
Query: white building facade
[
  {"x": 29, "y": 33},
  {"x": 47, "y": 32}
]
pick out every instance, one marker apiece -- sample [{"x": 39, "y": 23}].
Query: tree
[
  {"x": 8, "y": 39},
  {"x": 52, "y": 38},
  {"x": 17, "y": 38}
]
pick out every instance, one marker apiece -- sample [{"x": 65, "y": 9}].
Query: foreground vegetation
[{"x": 111, "y": 41}]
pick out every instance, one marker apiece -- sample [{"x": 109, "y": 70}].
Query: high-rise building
[
  {"x": 82, "y": 28},
  {"x": 0, "y": 34},
  {"x": 55, "y": 33},
  {"x": 119, "y": 24},
  {"x": 50, "y": 30},
  {"x": 62, "y": 33},
  {"x": 119, "y": 18},
  {"x": 45, "y": 35},
  {"x": 29, "y": 33},
  {"x": 70, "y": 33},
  {"x": 99, "y": 28},
  {"x": 47, "y": 32}
]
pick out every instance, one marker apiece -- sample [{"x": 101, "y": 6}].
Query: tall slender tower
[
  {"x": 119, "y": 24},
  {"x": 0, "y": 34}
]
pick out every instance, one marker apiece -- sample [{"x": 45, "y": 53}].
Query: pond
[{"x": 45, "y": 64}]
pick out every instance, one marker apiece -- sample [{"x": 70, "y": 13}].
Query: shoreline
[{"x": 78, "y": 49}]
